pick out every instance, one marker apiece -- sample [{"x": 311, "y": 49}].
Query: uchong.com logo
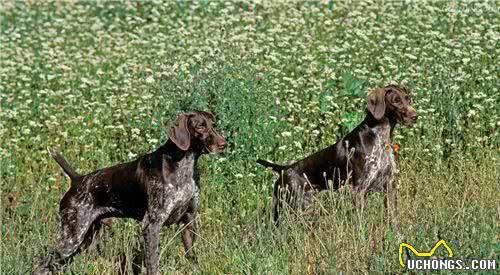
[{"x": 425, "y": 262}]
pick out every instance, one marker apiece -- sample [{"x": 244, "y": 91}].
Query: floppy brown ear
[
  {"x": 179, "y": 132},
  {"x": 376, "y": 103},
  {"x": 208, "y": 115}
]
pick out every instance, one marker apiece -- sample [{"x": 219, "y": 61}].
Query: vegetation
[{"x": 101, "y": 80}]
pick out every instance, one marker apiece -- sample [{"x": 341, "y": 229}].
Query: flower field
[{"x": 100, "y": 81}]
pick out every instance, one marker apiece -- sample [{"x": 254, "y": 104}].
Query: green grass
[{"x": 100, "y": 81}]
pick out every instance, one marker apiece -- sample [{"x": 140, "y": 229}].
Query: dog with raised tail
[
  {"x": 159, "y": 188},
  {"x": 364, "y": 158}
]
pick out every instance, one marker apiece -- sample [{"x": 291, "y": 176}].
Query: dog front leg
[
  {"x": 391, "y": 207},
  {"x": 189, "y": 228},
  {"x": 151, "y": 233},
  {"x": 359, "y": 199},
  {"x": 391, "y": 210}
]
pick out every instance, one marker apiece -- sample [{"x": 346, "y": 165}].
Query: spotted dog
[
  {"x": 364, "y": 158},
  {"x": 160, "y": 188}
]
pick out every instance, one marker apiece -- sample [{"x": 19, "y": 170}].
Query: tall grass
[{"x": 101, "y": 80}]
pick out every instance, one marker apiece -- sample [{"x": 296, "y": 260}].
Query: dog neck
[
  {"x": 174, "y": 153},
  {"x": 384, "y": 126}
]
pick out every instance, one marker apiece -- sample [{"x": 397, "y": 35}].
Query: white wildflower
[{"x": 131, "y": 155}]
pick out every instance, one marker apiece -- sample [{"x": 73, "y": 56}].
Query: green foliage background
[{"x": 101, "y": 80}]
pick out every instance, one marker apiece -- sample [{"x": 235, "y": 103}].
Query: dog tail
[
  {"x": 68, "y": 170},
  {"x": 276, "y": 167}
]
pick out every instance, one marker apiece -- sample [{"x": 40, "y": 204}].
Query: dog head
[
  {"x": 196, "y": 131},
  {"x": 394, "y": 103}
]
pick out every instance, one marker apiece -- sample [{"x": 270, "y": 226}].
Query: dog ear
[
  {"x": 376, "y": 103},
  {"x": 179, "y": 132},
  {"x": 208, "y": 115}
]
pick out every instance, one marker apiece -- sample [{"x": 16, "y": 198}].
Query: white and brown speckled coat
[
  {"x": 364, "y": 158},
  {"x": 160, "y": 188}
]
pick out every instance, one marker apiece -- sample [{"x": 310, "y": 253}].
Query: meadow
[{"x": 101, "y": 80}]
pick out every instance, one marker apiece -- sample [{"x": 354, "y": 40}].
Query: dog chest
[
  {"x": 184, "y": 193},
  {"x": 186, "y": 201},
  {"x": 380, "y": 167}
]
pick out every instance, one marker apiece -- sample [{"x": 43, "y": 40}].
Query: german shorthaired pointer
[
  {"x": 364, "y": 158},
  {"x": 160, "y": 188}
]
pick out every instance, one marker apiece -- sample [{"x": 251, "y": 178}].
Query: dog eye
[{"x": 397, "y": 99}]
